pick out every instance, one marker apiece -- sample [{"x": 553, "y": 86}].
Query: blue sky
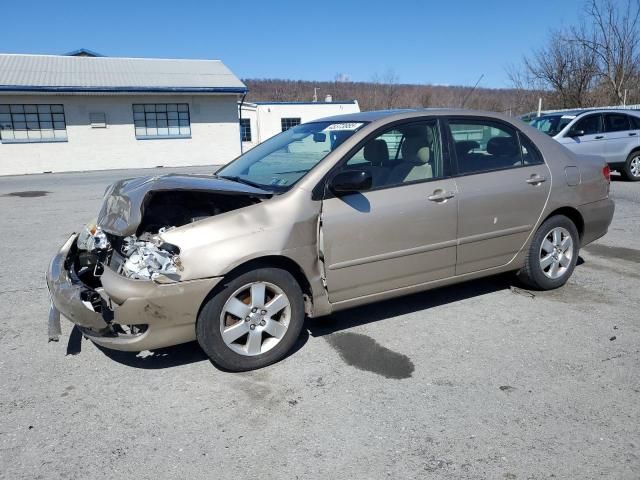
[{"x": 439, "y": 42}]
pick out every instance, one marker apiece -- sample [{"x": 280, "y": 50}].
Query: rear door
[
  {"x": 400, "y": 233},
  {"x": 621, "y": 138},
  {"x": 591, "y": 142},
  {"x": 503, "y": 186}
]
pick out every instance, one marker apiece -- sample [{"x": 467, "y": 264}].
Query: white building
[
  {"x": 65, "y": 113},
  {"x": 262, "y": 120}
]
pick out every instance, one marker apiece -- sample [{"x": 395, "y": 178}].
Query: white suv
[{"x": 612, "y": 134}]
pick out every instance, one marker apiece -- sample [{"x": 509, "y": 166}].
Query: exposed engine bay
[
  {"x": 140, "y": 258},
  {"x": 143, "y": 255},
  {"x": 164, "y": 209}
]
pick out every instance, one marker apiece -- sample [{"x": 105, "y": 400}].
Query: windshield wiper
[
  {"x": 293, "y": 171},
  {"x": 242, "y": 180}
]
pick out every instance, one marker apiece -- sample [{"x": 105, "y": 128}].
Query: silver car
[
  {"x": 328, "y": 215},
  {"x": 612, "y": 134}
]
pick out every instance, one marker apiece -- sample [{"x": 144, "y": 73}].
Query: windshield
[
  {"x": 551, "y": 124},
  {"x": 281, "y": 161}
]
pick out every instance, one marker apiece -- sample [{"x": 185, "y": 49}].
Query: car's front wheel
[
  {"x": 253, "y": 320},
  {"x": 553, "y": 254},
  {"x": 631, "y": 169}
]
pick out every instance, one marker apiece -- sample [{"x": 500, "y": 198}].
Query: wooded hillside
[{"x": 389, "y": 94}]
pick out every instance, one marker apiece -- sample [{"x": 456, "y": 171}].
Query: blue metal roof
[{"x": 69, "y": 74}]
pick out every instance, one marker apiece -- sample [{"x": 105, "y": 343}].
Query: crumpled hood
[{"x": 124, "y": 201}]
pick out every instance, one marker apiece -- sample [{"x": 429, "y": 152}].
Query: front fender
[{"x": 283, "y": 226}]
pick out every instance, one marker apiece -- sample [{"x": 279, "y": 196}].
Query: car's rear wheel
[
  {"x": 253, "y": 320},
  {"x": 553, "y": 254},
  {"x": 631, "y": 169}
]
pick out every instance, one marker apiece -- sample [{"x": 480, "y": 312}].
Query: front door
[
  {"x": 400, "y": 233},
  {"x": 592, "y": 138},
  {"x": 503, "y": 186}
]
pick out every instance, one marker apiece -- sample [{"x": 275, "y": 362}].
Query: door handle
[
  {"x": 599, "y": 137},
  {"x": 633, "y": 134},
  {"x": 440, "y": 196},
  {"x": 536, "y": 179}
]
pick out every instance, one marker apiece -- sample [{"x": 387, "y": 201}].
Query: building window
[
  {"x": 162, "y": 120},
  {"x": 32, "y": 123},
  {"x": 245, "y": 129},
  {"x": 98, "y": 120},
  {"x": 288, "y": 123}
]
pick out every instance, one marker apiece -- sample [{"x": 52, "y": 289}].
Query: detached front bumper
[{"x": 165, "y": 313}]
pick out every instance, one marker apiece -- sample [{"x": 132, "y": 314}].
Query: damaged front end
[
  {"x": 120, "y": 282},
  {"x": 142, "y": 258}
]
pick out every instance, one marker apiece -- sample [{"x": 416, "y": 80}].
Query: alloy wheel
[
  {"x": 556, "y": 253},
  {"x": 634, "y": 166},
  {"x": 255, "y": 318}
]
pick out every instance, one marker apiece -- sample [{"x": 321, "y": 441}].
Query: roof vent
[{"x": 83, "y": 52}]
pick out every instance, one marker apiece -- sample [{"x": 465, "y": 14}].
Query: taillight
[{"x": 606, "y": 171}]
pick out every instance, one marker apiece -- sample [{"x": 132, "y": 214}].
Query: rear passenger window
[
  {"x": 616, "y": 122},
  {"x": 403, "y": 154},
  {"x": 530, "y": 154},
  {"x": 484, "y": 146}
]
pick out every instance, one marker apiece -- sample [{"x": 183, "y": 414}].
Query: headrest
[
  {"x": 416, "y": 137},
  {"x": 502, "y": 146},
  {"x": 465, "y": 146},
  {"x": 410, "y": 147},
  {"x": 423, "y": 155},
  {"x": 376, "y": 152}
]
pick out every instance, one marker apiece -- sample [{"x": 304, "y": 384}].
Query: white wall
[
  {"x": 215, "y": 135},
  {"x": 265, "y": 119}
]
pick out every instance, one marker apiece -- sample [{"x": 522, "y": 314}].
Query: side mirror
[
  {"x": 576, "y": 133},
  {"x": 319, "y": 137},
  {"x": 351, "y": 181}
]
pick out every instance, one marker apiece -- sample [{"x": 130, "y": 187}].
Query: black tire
[
  {"x": 208, "y": 325},
  {"x": 626, "y": 171},
  {"x": 532, "y": 274}
]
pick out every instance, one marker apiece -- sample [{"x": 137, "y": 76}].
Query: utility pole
[
  {"x": 539, "y": 106},
  {"x": 315, "y": 94}
]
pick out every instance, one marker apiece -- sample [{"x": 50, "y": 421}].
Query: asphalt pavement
[{"x": 480, "y": 380}]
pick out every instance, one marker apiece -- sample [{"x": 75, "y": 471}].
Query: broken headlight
[
  {"x": 153, "y": 260},
  {"x": 92, "y": 238}
]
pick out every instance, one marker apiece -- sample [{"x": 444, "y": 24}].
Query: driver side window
[
  {"x": 403, "y": 154},
  {"x": 591, "y": 125}
]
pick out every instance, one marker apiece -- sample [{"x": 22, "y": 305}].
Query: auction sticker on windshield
[{"x": 343, "y": 126}]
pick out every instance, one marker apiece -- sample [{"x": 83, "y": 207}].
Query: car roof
[
  {"x": 577, "y": 113},
  {"x": 402, "y": 114}
]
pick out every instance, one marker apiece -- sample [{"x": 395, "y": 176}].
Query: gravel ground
[{"x": 481, "y": 380}]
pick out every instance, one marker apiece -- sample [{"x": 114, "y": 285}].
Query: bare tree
[
  {"x": 564, "y": 67},
  {"x": 390, "y": 88},
  {"x": 371, "y": 101},
  {"x": 613, "y": 37},
  {"x": 529, "y": 91},
  {"x": 425, "y": 98}
]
